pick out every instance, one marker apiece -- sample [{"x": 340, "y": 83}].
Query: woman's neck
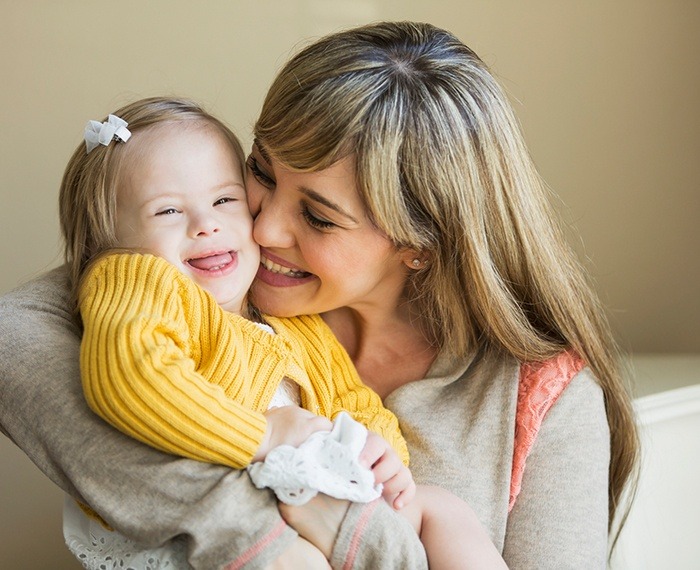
[{"x": 387, "y": 349}]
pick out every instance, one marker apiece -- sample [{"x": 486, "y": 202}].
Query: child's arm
[
  {"x": 451, "y": 532},
  {"x": 289, "y": 425},
  {"x": 327, "y": 361},
  {"x": 385, "y": 452},
  {"x": 364, "y": 404},
  {"x": 139, "y": 370}
]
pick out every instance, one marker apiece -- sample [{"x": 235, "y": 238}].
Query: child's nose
[{"x": 204, "y": 225}]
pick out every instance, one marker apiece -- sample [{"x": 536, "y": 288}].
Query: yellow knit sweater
[{"x": 164, "y": 363}]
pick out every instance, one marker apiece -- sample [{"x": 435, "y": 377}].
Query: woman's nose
[{"x": 272, "y": 226}]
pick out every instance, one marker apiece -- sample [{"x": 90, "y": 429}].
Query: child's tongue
[{"x": 211, "y": 262}]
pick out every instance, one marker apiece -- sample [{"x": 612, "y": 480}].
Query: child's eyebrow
[{"x": 229, "y": 184}]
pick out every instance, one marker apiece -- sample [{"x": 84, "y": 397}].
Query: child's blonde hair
[
  {"x": 88, "y": 195},
  {"x": 443, "y": 168}
]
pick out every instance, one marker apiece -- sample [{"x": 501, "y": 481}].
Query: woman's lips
[
  {"x": 274, "y": 267},
  {"x": 275, "y": 272}
]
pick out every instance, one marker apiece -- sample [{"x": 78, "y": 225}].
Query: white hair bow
[{"x": 113, "y": 128}]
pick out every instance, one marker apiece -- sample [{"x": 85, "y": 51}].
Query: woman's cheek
[{"x": 253, "y": 196}]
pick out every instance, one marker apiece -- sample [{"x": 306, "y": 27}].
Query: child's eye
[
  {"x": 314, "y": 221},
  {"x": 258, "y": 173},
  {"x": 224, "y": 200},
  {"x": 167, "y": 211}
]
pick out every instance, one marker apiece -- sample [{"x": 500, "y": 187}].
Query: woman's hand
[
  {"x": 318, "y": 521},
  {"x": 388, "y": 470},
  {"x": 289, "y": 425}
]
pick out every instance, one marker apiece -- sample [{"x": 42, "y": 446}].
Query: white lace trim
[
  {"x": 100, "y": 549},
  {"x": 327, "y": 462}
]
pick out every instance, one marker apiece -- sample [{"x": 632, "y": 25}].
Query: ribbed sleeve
[
  {"x": 164, "y": 363},
  {"x": 145, "y": 350},
  {"x": 337, "y": 384}
]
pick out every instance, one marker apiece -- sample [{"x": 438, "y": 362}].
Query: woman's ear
[{"x": 414, "y": 259}]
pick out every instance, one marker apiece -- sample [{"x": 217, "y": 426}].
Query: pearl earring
[{"x": 416, "y": 263}]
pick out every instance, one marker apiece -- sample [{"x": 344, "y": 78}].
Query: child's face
[{"x": 182, "y": 197}]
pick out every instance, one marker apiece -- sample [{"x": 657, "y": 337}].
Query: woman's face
[{"x": 319, "y": 250}]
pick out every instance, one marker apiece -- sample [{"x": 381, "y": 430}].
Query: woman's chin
[{"x": 279, "y": 301}]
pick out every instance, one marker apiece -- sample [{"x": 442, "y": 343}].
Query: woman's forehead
[{"x": 294, "y": 160}]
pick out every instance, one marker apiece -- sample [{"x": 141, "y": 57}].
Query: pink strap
[{"x": 541, "y": 384}]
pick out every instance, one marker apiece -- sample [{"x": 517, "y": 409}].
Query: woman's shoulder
[
  {"x": 542, "y": 382},
  {"x": 564, "y": 377},
  {"x": 541, "y": 385},
  {"x": 46, "y": 296}
]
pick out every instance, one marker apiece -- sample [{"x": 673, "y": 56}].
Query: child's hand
[
  {"x": 389, "y": 470},
  {"x": 289, "y": 425}
]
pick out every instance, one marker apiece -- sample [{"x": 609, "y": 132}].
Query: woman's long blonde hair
[
  {"x": 442, "y": 167},
  {"x": 88, "y": 195}
]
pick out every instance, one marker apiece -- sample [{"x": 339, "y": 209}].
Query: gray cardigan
[{"x": 458, "y": 422}]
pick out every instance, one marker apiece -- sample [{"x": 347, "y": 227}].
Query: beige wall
[{"x": 608, "y": 94}]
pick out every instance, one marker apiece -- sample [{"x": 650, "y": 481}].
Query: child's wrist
[{"x": 264, "y": 447}]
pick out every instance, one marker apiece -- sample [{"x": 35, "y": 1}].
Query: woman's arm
[
  {"x": 372, "y": 535},
  {"x": 358, "y": 536},
  {"x": 565, "y": 486},
  {"x": 145, "y": 494}
]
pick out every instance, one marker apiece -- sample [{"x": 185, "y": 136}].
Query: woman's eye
[
  {"x": 314, "y": 221},
  {"x": 258, "y": 173},
  {"x": 166, "y": 211}
]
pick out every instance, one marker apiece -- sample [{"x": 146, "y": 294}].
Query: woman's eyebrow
[
  {"x": 315, "y": 196},
  {"x": 308, "y": 192}
]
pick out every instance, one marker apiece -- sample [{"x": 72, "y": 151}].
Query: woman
[{"x": 371, "y": 142}]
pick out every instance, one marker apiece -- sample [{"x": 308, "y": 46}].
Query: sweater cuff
[
  {"x": 372, "y": 535},
  {"x": 265, "y": 550}
]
